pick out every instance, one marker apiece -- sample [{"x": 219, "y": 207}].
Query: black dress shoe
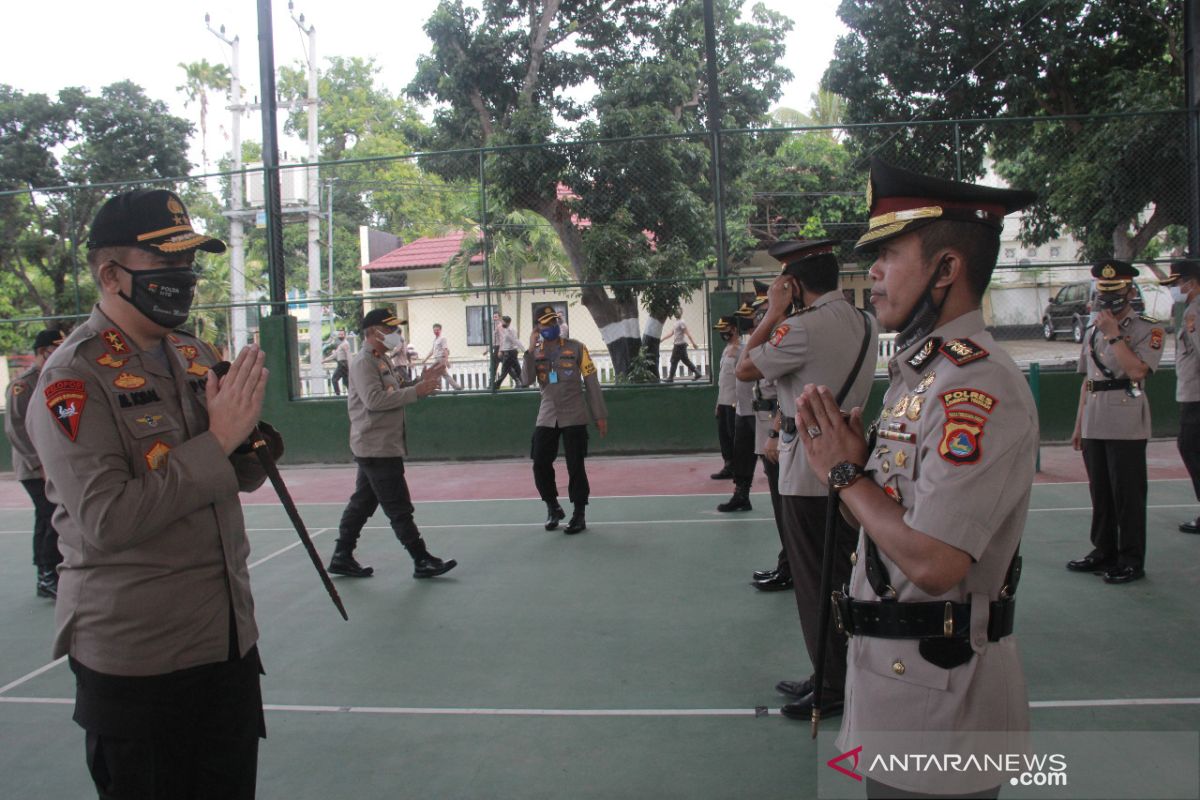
[
  {"x": 555, "y": 516},
  {"x": 725, "y": 474},
  {"x": 765, "y": 574},
  {"x": 430, "y": 567},
  {"x": 777, "y": 584},
  {"x": 796, "y": 689},
  {"x": 47, "y": 583},
  {"x": 1124, "y": 575},
  {"x": 739, "y": 502},
  {"x": 577, "y": 523},
  {"x": 344, "y": 564},
  {"x": 802, "y": 708},
  {"x": 1191, "y": 526},
  {"x": 1091, "y": 564}
]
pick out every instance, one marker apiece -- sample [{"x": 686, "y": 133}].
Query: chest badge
[
  {"x": 926, "y": 381},
  {"x": 129, "y": 381},
  {"x": 914, "y": 408},
  {"x": 900, "y": 407},
  {"x": 901, "y": 459}
]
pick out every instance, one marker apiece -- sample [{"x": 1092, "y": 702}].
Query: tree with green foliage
[
  {"x": 1114, "y": 184},
  {"x": 200, "y": 77},
  {"x": 510, "y": 76}
]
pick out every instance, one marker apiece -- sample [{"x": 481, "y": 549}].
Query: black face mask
[
  {"x": 923, "y": 317},
  {"x": 1112, "y": 302},
  {"x": 163, "y": 296}
]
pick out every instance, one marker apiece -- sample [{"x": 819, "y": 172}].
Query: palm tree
[{"x": 199, "y": 77}]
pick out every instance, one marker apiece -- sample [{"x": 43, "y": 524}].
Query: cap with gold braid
[
  {"x": 154, "y": 219},
  {"x": 723, "y": 324},
  {"x": 382, "y": 316},
  {"x": 902, "y": 201},
  {"x": 547, "y": 316},
  {"x": 760, "y": 294},
  {"x": 1113, "y": 275},
  {"x": 1180, "y": 270},
  {"x": 798, "y": 254}
]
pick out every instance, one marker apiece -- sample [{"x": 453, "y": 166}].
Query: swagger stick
[
  {"x": 831, "y": 510},
  {"x": 263, "y": 452}
]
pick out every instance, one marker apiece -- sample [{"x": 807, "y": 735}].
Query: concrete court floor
[{"x": 631, "y": 661}]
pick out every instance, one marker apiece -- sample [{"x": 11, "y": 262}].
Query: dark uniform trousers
[
  {"x": 380, "y": 482},
  {"x": 771, "y": 468},
  {"x": 1189, "y": 442},
  {"x": 187, "y": 735},
  {"x": 341, "y": 373},
  {"x": 544, "y": 450},
  {"x": 679, "y": 354},
  {"x": 1116, "y": 471},
  {"x": 804, "y": 539},
  {"x": 743, "y": 451},
  {"x": 726, "y": 416},
  {"x": 45, "y": 538},
  {"x": 509, "y": 368}
]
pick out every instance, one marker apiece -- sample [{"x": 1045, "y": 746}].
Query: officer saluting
[
  {"x": 1184, "y": 281},
  {"x": 1112, "y": 425},
  {"x": 566, "y": 376},
  {"x": 949, "y": 468}
]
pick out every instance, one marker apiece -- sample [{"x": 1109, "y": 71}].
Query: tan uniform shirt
[
  {"x": 1187, "y": 355},
  {"x": 680, "y": 335},
  {"x": 341, "y": 353},
  {"x": 441, "y": 350},
  {"x": 818, "y": 346},
  {"x": 375, "y": 402},
  {"x": 764, "y": 421},
  {"x": 507, "y": 339},
  {"x": 149, "y": 522},
  {"x": 727, "y": 377},
  {"x": 743, "y": 392},
  {"x": 960, "y": 459},
  {"x": 566, "y": 376},
  {"x": 25, "y": 459},
  {"x": 1117, "y": 414}
]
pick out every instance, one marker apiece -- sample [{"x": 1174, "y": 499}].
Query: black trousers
[
  {"x": 679, "y": 354},
  {"x": 187, "y": 735},
  {"x": 743, "y": 451},
  {"x": 771, "y": 468},
  {"x": 726, "y": 416},
  {"x": 1189, "y": 442},
  {"x": 1116, "y": 470},
  {"x": 543, "y": 451},
  {"x": 341, "y": 373},
  {"x": 380, "y": 482},
  {"x": 45, "y": 538},
  {"x": 509, "y": 368},
  {"x": 804, "y": 539}
]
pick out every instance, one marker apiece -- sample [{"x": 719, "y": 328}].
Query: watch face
[{"x": 842, "y": 474}]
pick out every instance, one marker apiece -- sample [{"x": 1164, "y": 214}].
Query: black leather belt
[
  {"x": 766, "y": 405},
  {"x": 1109, "y": 385},
  {"x": 892, "y": 620}
]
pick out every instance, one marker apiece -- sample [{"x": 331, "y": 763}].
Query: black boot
[
  {"x": 577, "y": 523},
  {"x": 554, "y": 515},
  {"x": 739, "y": 502},
  {"x": 725, "y": 474},
  {"x": 426, "y": 565},
  {"x": 343, "y": 563},
  {"x": 47, "y": 582}
]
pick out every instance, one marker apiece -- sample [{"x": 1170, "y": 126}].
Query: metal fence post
[
  {"x": 1035, "y": 387},
  {"x": 957, "y": 152},
  {"x": 489, "y": 329}
]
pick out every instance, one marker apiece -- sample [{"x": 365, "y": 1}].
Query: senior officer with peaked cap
[
  {"x": 948, "y": 471},
  {"x": 1184, "y": 282}
]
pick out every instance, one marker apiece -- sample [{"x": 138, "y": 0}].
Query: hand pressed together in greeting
[{"x": 836, "y": 438}]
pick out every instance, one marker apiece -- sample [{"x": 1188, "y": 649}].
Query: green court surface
[{"x": 632, "y": 661}]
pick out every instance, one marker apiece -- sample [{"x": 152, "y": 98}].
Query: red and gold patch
[
  {"x": 779, "y": 333},
  {"x": 107, "y": 360},
  {"x": 891, "y": 491},
  {"x": 587, "y": 367},
  {"x": 962, "y": 351},
  {"x": 127, "y": 380},
  {"x": 961, "y": 434},
  {"x": 981, "y": 400},
  {"x": 187, "y": 351},
  {"x": 66, "y": 400},
  {"x": 156, "y": 456},
  {"x": 1156, "y": 338},
  {"x": 197, "y": 369},
  {"x": 115, "y": 341}
]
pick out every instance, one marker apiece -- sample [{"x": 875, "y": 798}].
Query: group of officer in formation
[{"x": 125, "y": 433}]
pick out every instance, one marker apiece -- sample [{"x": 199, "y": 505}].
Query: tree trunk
[{"x": 652, "y": 342}]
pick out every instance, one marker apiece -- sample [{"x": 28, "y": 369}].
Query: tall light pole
[
  {"x": 316, "y": 372},
  {"x": 237, "y": 238}
]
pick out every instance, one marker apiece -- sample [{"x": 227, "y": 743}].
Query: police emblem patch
[
  {"x": 66, "y": 400},
  {"x": 779, "y": 333},
  {"x": 961, "y": 434},
  {"x": 1156, "y": 338}
]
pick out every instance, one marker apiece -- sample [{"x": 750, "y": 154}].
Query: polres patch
[
  {"x": 1156, "y": 338},
  {"x": 66, "y": 400},
  {"x": 779, "y": 333},
  {"x": 961, "y": 435},
  {"x": 981, "y": 400}
]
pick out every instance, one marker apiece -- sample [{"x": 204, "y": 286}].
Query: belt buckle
[
  {"x": 1090, "y": 384},
  {"x": 948, "y": 621}
]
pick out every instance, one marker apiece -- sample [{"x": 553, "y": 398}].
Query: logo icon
[{"x": 852, "y": 772}]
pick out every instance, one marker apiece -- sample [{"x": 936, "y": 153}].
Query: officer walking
[
  {"x": 726, "y": 413},
  {"x": 341, "y": 355},
  {"x": 1112, "y": 424},
  {"x": 680, "y": 336},
  {"x": 28, "y": 466},
  {"x": 145, "y": 451},
  {"x": 375, "y": 402},
  {"x": 827, "y": 342},
  {"x": 566, "y": 376},
  {"x": 1184, "y": 282},
  {"x": 509, "y": 346},
  {"x": 949, "y": 464}
]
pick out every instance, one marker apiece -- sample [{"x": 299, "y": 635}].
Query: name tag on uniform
[{"x": 554, "y": 376}]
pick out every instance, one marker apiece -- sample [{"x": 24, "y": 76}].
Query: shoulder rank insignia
[
  {"x": 128, "y": 381},
  {"x": 1156, "y": 338},
  {"x": 925, "y": 352},
  {"x": 962, "y": 351},
  {"x": 1150, "y": 319},
  {"x": 66, "y": 400},
  {"x": 115, "y": 341},
  {"x": 961, "y": 434},
  {"x": 107, "y": 360},
  {"x": 156, "y": 456}
]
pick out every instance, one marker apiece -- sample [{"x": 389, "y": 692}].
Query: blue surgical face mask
[
  {"x": 549, "y": 333},
  {"x": 1178, "y": 295}
]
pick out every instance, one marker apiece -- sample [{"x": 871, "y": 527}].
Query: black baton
[
  {"x": 831, "y": 511},
  {"x": 263, "y": 452}
]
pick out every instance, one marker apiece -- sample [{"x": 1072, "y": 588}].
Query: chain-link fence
[{"x": 619, "y": 235}]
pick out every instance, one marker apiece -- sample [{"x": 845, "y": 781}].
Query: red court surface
[{"x": 610, "y": 476}]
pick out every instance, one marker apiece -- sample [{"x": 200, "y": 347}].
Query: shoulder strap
[
  {"x": 862, "y": 354},
  {"x": 1108, "y": 373}
]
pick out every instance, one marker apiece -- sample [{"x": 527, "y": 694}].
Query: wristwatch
[
  {"x": 772, "y": 434},
  {"x": 844, "y": 474}
]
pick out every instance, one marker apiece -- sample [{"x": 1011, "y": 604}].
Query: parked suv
[{"x": 1071, "y": 309}]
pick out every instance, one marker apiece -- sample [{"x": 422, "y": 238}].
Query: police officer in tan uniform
[
  {"x": 28, "y": 466},
  {"x": 1184, "y": 282},
  {"x": 145, "y": 451},
  {"x": 509, "y": 346},
  {"x": 948, "y": 468},
  {"x": 766, "y": 447},
  {"x": 725, "y": 411},
  {"x": 830, "y": 342},
  {"x": 570, "y": 387},
  {"x": 744, "y": 422},
  {"x": 680, "y": 336},
  {"x": 1112, "y": 425},
  {"x": 375, "y": 401}
]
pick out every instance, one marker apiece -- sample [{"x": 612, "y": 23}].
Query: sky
[{"x": 91, "y": 44}]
